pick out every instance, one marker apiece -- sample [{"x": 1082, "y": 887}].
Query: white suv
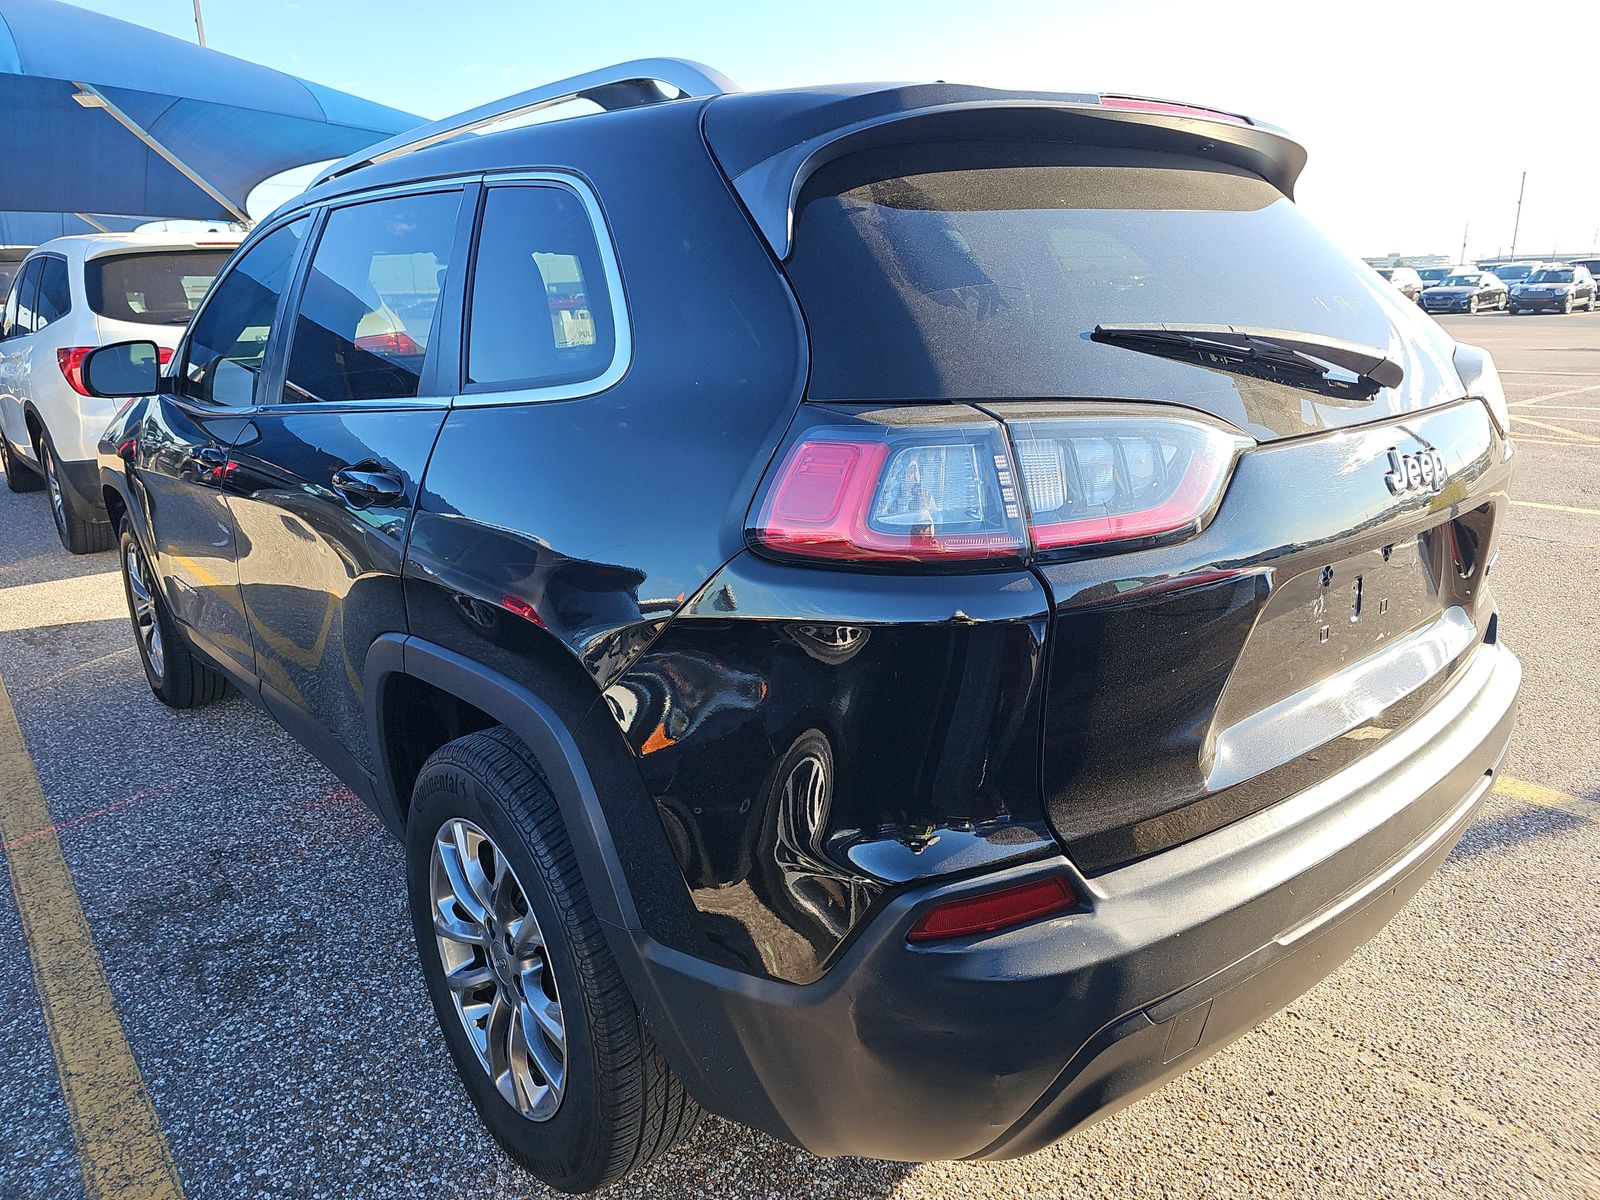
[{"x": 70, "y": 296}]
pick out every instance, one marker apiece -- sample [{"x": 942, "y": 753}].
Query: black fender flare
[
  {"x": 690, "y": 1004},
  {"x": 541, "y": 730}
]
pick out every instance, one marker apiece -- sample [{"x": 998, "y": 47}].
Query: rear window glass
[
  {"x": 151, "y": 289},
  {"x": 974, "y": 271}
]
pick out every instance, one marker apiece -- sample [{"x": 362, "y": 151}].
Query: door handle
[
  {"x": 368, "y": 483},
  {"x": 211, "y": 456}
]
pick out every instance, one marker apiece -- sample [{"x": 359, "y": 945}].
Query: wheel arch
[
  {"x": 38, "y": 432},
  {"x": 635, "y": 886},
  {"x": 395, "y": 659}
]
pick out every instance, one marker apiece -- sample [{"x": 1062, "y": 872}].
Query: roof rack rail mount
[{"x": 622, "y": 85}]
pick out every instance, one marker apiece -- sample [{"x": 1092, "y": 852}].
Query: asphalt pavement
[{"x": 247, "y": 917}]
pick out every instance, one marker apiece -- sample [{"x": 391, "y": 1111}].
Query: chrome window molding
[{"x": 478, "y": 395}]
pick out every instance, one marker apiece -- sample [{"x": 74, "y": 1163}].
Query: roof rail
[{"x": 623, "y": 85}]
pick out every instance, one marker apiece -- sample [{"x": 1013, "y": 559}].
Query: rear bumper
[{"x": 996, "y": 1046}]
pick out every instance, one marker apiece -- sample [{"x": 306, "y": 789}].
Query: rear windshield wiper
[{"x": 1303, "y": 359}]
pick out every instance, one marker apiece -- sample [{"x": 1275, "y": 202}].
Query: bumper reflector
[{"x": 990, "y": 911}]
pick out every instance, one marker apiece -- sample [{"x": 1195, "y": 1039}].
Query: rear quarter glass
[{"x": 957, "y": 271}]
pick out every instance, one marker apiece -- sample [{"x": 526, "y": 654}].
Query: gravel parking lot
[{"x": 250, "y": 918}]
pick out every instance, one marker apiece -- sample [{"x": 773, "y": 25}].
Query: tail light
[
  {"x": 1108, "y": 478},
  {"x": 908, "y": 485},
  {"x": 395, "y": 341},
  {"x": 992, "y": 911},
  {"x": 907, "y": 491},
  {"x": 70, "y": 360}
]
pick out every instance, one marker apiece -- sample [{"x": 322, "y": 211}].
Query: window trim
[{"x": 469, "y": 395}]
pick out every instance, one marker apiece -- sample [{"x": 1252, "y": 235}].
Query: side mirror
[{"x": 124, "y": 369}]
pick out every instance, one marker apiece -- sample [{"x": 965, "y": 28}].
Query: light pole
[
  {"x": 1516, "y": 226},
  {"x": 199, "y": 22}
]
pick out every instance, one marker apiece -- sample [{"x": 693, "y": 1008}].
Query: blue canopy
[
  {"x": 34, "y": 228},
  {"x": 66, "y": 149}
]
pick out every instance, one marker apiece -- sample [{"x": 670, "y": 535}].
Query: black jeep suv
[{"x": 902, "y": 615}]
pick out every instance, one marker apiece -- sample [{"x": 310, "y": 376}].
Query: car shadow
[
  {"x": 1521, "y": 824},
  {"x": 725, "y": 1159}
]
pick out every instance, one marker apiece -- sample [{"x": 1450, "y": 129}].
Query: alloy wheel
[
  {"x": 143, "y": 603},
  {"x": 498, "y": 969},
  {"x": 58, "y": 502}
]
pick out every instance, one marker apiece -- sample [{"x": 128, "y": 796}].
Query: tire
[
  {"x": 80, "y": 533},
  {"x": 177, "y": 677},
  {"x": 606, "y": 1103},
  {"x": 1472, "y": 307},
  {"x": 1566, "y": 306},
  {"x": 19, "y": 476}
]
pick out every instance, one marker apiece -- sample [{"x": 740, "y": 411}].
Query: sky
[{"x": 1419, "y": 116}]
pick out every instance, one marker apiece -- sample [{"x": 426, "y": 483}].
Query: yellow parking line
[
  {"x": 1588, "y": 387},
  {"x": 1571, "y": 508},
  {"x": 1523, "y": 439},
  {"x": 121, "y": 1150},
  {"x": 1545, "y": 797},
  {"x": 1545, "y": 425}
]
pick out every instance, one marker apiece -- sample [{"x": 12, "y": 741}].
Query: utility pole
[
  {"x": 1518, "y": 225},
  {"x": 199, "y": 22},
  {"x": 1465, "y": 230}
]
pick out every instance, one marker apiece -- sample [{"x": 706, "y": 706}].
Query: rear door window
[
  {"x": 28, "y": 296},
  {"x": 366, "y": 316},
  {"x": 541, "y": 310},
  {"x": 162, "y": 288},
  {"x": 8, "y": 324},
  {"x": 55, "y": 293},
  {"x": 228, "y": 343},
  {"x": 956, "y": 271}
]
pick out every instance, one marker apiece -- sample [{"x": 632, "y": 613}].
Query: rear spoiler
[{"x": 769, "y": 183}]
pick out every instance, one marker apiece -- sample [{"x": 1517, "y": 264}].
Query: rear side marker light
[{"x": 991, "y": 911}]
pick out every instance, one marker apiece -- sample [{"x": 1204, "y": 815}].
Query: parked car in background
[
  {"x": 1466, "y": 289},
  {"x": 788, "y": 711},
  {"x": 1591, "y": 265},
  {"x": 1510, "y": 273},
  {"x": 1557, "y": 287},
  {"x": 71, "y": 295},
  {"x": 1433, "y": 275},
  {"x": 1406, "y": 281}
]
